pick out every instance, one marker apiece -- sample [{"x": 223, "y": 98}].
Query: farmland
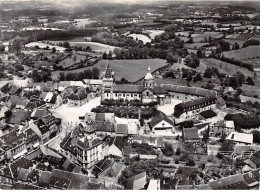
[
  {"x": 202, "y": 37},
  {"x": 243, "y": 53},
  {"x": 131, "y": 70},
  {"x": 69, "y": 61},
  {"x": 97, "y": 47},
  {"x": 141, "y": 37},
  {"x": 195, "y": 45},
  {"x": 43, "y": 45},
  {"x": 153, "y": 33},
  {"x": 223, "y": 67}
]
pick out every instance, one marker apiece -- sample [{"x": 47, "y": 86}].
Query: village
[{"x": 157, "y": 102}]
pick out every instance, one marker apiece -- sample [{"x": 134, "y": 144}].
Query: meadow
[
  {"x": 97, "y": 47},
  {"x": 131, "y": 70},
  {"x": 243, "y": 54}
]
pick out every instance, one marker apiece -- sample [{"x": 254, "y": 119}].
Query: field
[
  {"x": 153, "y": 33},
  {"x": 256, "y": 37},
  {"x": 223, "y": 67},
  {"x": 131, "y": 70},
  {"x": 97, "y": 47},
  {"x": 232, "y": 41},
  {"x": 201, "y": 37},
  {"x": 194, "y": 45},
  {"x": 69, "y": 61},
  {"x": 243, "y": 53},
  {"x": 43, "y": 45},
  {"x": 142, "y": 37}
]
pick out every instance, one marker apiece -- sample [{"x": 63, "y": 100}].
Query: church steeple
[{"x": 149, "y": 79}]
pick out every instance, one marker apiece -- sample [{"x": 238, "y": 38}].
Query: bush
[{"x": 168, "y": 150}]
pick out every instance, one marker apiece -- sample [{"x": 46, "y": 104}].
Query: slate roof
[
  {"x": 126, "y": 88},
  {"x": 136, "y": 182},
  {"x": 72, "y": 181},
  {"x": 119, "y": 142},
  {"x": 160, "y": 116},
  {"x": 190, "y": 90},
  {"x": 190, "y": 134},
  {"x": 105, "y": 126},
  {"x": 208, "y": 114},
  {"x": 121, "y": 128},
  {"x": 12, "y": 171},
  {"x": 19, "y": 116},
  {"x": 102, "y": 165},
  {"x": 192, "y": 105},
  {"x": 159, "y": 90}
]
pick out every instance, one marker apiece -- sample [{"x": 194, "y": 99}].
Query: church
[{"x": 147, "y": 92}]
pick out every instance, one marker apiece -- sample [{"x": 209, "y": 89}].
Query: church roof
[{"x": 124, "y": 88}]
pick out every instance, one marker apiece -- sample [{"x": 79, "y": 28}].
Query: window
[
  {"x": 233, "y": 135},
  {"x": 147, "y": 93}
]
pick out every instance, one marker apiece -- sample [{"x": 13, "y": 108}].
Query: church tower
[
  {"x": 107, "y": 83},
  {"x": 149, "y": 79}
]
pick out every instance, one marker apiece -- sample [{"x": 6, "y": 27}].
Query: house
[
  {"x": 82, "y": 145},
  {"x": 204, "y": 115},
  {"x": 185, "y": 93},
  {"x": 19, "y": 117},
  {"x": 10, "y": 172},
  {"x": 79, "y": 98},
  {"x": 190, "y": 109},
  {"x": 51, "y": 99},
  {"x": 136, "y": 182},
  {"x": 3, "y": 109},
  {"x": 240, "y": 138},
  {"x": 161, "y": 124},
  {"x": 150, "y": 140},
  {"x": 65, "y": 180},
  {"x": 213, "y": 149},
  {"x": 115, "y": 146},
  {"x": 254, "y": 160},
  {"x": 39, "y": 113},
  {"x": 16, "y": 143},
  {"x": 234, "y": 182},
  {"x": 190, "y": 135},
  {"x": 247, "y": 98},
  {"x": 220, "y": 128},
  {"x": 221, "y": 103}
]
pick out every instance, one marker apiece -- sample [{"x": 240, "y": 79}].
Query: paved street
[{"x": 70, "y": 118}]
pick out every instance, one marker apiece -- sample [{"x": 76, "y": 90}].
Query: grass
[
  {"x": 69, "y": 61},
  {"x": 223, "y": 67},
  {"x": 97, "y": 47},
  {"x": 131, "y": 70},
  {"x": 232, "y": 41},
  {"x": 201, "y": 37},
  {"x": 194, "y": 45},
  {"x": 243, "y": 53}
]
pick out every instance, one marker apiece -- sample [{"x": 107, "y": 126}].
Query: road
[{"x": 70, "y": 118}]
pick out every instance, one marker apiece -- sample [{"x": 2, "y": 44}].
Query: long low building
[{"x": 190, "y": 109}]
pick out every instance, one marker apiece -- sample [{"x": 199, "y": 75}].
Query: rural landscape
[{"x": 129, "y": 95}]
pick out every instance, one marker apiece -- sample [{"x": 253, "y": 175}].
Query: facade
[
  {"x": 79, "y": 98},
  {"x": 82, "y": 146},
  {"x": 221, "y": 128},
  {"x": 190, "y": 109},
  {"x": 148, "y": 92},
  {"x": 160, "y": 124}
]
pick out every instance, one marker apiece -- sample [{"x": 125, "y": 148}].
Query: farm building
[{"x": 190, "y": 109}]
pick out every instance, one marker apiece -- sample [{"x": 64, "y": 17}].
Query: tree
[
  {"x": 66, "y": 44},
  {"x": 2, "y": 48},
  {"x": 53, "y": 50},
  {"x": 171, "y": 58},
  {"x": 227, "y": 146},
  {"x": 104, "y": 56},
  {"x": 256, "y": 136},
  {"x": 168, "y": 150},
  {"x": 95, "y": 73},
  {"x": 8, "y": 113},
  {"x": 250, "y": 81},
  {"x": 208, "y": 73},
  {"x": 16, "y": 45},
  {"x": 197, "y": 77}
]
